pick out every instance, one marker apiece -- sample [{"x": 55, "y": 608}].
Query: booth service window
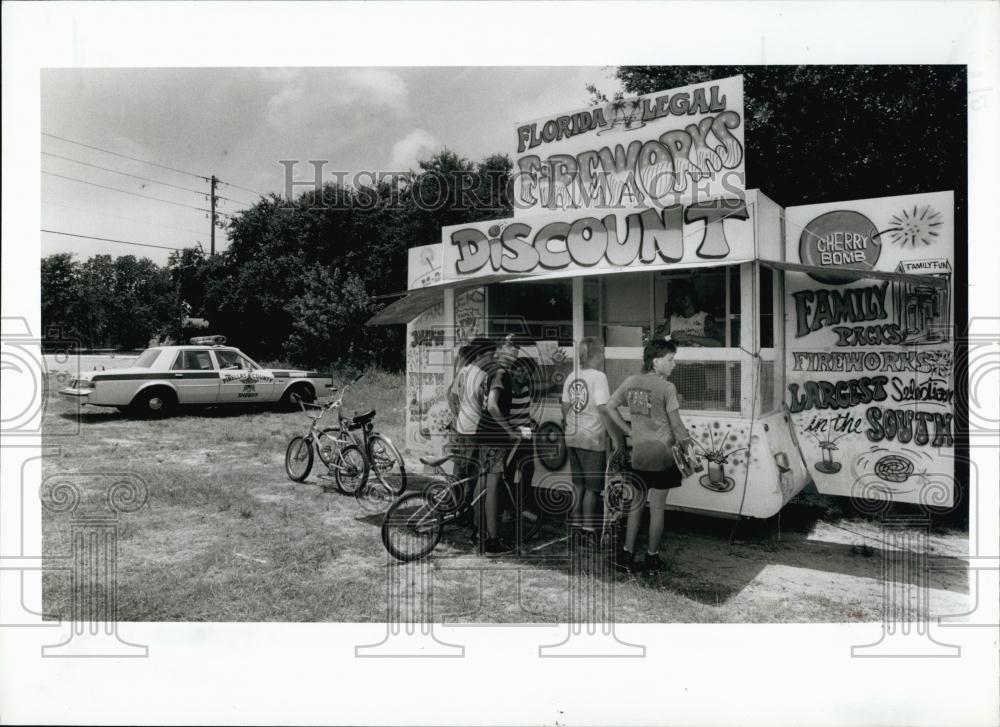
[{"x": 626, "y": 309}]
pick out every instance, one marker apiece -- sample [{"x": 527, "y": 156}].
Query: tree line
[{"x": 300, "y": 277}]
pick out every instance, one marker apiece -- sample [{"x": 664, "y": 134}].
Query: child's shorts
[
  {"x": 587, "y": 467},
  {"x": 666, "y": 479},
  {"x": 493, "y": 457}
]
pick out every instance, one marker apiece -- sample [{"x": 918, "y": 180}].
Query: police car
[{"x": 205, "y": 373}]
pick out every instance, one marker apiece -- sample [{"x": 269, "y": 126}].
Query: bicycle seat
[
  {"x": 360, "y": 420},
  {"x": 435, "y": 461}
]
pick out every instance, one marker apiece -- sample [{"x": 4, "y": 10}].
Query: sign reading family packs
[
  {"x": 719, "y": 230},
  {"x": 664, "y": 148},
  {"x": 870, "y": 384}
]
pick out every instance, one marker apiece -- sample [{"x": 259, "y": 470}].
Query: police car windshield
[{"x": 147, "y": 358}]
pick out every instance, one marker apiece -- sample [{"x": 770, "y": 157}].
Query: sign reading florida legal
[{"x": 657, "y": 150}]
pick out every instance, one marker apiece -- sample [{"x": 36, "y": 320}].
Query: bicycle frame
[
  {"x": 344, "y": 437},
  {"x": 463, "y": 483}
]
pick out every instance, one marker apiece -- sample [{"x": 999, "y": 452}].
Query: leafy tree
[
  {"x": 299, "y": 278},
  {"x": 449, "y": 189},
  {"x": 281, "y": 250},
  {"x": 820, "y": 133},
  {"x": 108, "y": 302},
  {"x": 328, "y": 319},
  {"x": 146, "y": 303},
  {"x": 96, "y": 301},
  {"x": 60, "y": 280},
  {"x": 187, "y": 271}
]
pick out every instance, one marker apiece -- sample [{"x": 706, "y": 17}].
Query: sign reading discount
[{"x": 670, "y": 147}]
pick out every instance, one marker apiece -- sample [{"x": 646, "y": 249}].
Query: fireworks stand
[{"x": 832, "y": 355}]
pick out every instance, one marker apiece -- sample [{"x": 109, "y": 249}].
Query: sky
[{"x": 237, "y": 123}]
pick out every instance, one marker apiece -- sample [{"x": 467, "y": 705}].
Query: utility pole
[{"x": 214, "y": 182}]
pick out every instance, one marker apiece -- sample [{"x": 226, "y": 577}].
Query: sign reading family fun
[
  {"x": 658, "y": 150},
  {"x": 870, "y": 363}
]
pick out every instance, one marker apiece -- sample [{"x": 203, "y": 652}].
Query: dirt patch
[{"x": 122, "y": 442}]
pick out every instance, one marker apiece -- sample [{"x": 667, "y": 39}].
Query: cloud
[
  {"x": 283, "y": 106},
  {"x": 379, "y": 85},
  {"x": 416, "y": 145},
  {"x": 350, "y": 94}
]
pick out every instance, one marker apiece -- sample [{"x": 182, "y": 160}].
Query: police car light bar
[{"x": 208, "y": 340}]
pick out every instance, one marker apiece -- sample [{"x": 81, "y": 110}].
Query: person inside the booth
[{"x": 687, "y": 324}]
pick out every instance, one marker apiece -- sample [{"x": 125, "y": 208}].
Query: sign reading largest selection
[
  {"x": 870, "y": 363},
  {"x": 654, "y": 151}
]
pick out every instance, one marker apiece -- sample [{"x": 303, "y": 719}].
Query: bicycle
[
  {"x": 623, "y": 492},
  {"x": 335, "y": 447},
  {"x": 414, "y": 523},
  {"x": 384, "y": 460}
]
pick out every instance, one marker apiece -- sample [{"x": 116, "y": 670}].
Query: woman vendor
[{"x": 686, "y": 324}]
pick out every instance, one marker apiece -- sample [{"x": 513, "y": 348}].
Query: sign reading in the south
[
  {"x": 839, "y": 240},
  {"x": 671, "y": 147}
]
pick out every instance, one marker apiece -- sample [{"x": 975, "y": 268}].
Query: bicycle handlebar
[{"x": 332, "y": 404}]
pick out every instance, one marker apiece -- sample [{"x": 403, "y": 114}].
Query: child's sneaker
[
  {"x": 496, "y": 546},
  {"x": 623, "y": 561},
  {"x": 652, "y": 565}
]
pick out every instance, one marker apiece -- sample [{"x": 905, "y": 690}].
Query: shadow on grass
[{"x": 712, "y": 560}]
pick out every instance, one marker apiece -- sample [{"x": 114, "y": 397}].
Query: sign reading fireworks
[{"x": 654, "y": 151}]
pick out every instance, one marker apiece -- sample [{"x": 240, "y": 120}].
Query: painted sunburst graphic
[{"x": 921, "y": 225}]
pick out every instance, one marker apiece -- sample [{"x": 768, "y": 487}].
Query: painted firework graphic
[{"x": 917, "y": 226}]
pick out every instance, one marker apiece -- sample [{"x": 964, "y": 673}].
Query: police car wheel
[
  {"x": 153, "y": 404},
  {"x": 297, "y": 393}
]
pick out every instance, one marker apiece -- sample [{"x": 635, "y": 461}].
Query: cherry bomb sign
[
  {"x": 665, "y": 148},
  {"x": 870, "y": 382}
]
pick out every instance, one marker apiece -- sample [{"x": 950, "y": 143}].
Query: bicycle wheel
[
  {"x": 327, "y": 444},
  {"x": 412, "y": 527},
  {"x": 387, "y": 464},
  {"x": 374, "y": 496},
  {"x": 448, "y": 495},
  {"x": 350, "y": 469},
  {"x": 298, "y": 459}
]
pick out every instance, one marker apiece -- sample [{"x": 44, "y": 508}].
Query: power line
[
  {"x": 202, "y": 177},
  {"x": 106, "y": 239},
  {"x": 135, "y": 194},
  {"x": 122, "y": 217},
  {"x": 134, "y": 176},
  {"x": 146, "y": 179},
  {"x": 125, "y": 156},
  {"x": 245, "y": 189}
]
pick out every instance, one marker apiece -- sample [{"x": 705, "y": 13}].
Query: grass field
[{"x": 225, "y": 536}]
